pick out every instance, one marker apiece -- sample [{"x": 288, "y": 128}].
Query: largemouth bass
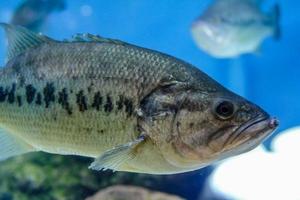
[{"x": 130, "y": 108}]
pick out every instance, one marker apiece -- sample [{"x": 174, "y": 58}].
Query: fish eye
[{"x": 224, "y": 109}]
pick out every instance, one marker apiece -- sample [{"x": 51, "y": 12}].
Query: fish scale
[
  {"x": 130, "y": 108},
  {"x": 65, "y": 70}
]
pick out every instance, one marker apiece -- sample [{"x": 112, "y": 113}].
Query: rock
[
  {"x": 42, "y": 176},
  {"x": 131, "y": 193}
]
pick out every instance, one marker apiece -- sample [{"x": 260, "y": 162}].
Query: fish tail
[{"x": 276, "y": 21}]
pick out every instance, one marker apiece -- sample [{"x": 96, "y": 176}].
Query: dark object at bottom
[{"x": 45, "y": 177}]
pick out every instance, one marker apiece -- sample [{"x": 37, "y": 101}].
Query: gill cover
[{"x": 159, "y": 121}]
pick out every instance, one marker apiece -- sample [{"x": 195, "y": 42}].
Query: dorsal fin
[
  {"x": 21, "y": 39},
  {"x": 87, "y": 37}
]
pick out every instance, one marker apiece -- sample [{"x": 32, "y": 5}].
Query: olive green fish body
[
  {"x": 131, "y": 108},
  {"x": 77, "y": 98}
]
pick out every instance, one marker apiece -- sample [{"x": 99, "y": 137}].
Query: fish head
[{"x": 201, "y": 128}]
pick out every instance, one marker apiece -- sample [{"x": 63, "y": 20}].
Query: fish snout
[{"x": 273, "y": 123}]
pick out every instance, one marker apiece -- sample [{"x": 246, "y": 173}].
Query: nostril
[{"x": 273, "y": 123}]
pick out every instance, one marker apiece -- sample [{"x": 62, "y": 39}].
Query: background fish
[
  {"x": 229, "y": 28},
  {"x": 131, "y": 108},
  {"x": 32, "y": 13}
]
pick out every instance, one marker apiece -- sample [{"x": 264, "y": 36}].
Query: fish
[
  {"x": 33, "y": 13},
  {"x": 230, "y": 28},
  {"x": 130, "y": 108}
]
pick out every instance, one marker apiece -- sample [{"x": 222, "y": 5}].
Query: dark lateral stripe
[
  {"x": 97, "y": 101},
  {"x": 125, "y": 102},
  {"x": 120, "y": 102},
  {"x": 49, "y": 94},
  {"x": 38, "y": 100},
  {"x": 11, "y": 94},
  {"x": 81, "y": 101},
  {"x": 128, "y": 106},
  {"x": 30, "y": 93},
  {"x": 63, "y": 100},
  {"x": 3, "y": 94},
  {"x": 19, "y": 101},
  {"x": 108, "y": 107},
  {"x": 90, "y": 87}
]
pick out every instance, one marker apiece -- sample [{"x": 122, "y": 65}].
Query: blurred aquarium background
[{"x": 270, "y": 79}]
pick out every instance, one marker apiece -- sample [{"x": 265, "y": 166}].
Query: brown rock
[{"x": 131, "y": 193}]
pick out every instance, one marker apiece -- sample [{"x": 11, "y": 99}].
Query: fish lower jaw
[{"x": 249, "y": 144}]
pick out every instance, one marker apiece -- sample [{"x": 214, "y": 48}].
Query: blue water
[{"x": 271, "y": 79}]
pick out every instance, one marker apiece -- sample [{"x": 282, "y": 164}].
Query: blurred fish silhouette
[
  {"x": 32, "y": 13},
  {"x": 229, "y": 28}
]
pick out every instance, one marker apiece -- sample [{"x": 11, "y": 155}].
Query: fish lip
[{"x": 260, "y": 126}]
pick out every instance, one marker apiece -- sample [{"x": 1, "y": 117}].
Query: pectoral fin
[
  {"x": 114, "y": 158},
  {"x": 12, "y": 146}
]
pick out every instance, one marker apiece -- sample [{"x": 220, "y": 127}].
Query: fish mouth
[{"x": 252, "y": 133}]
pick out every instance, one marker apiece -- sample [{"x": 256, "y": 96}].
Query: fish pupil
[{"x": 225, "y": 109}]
